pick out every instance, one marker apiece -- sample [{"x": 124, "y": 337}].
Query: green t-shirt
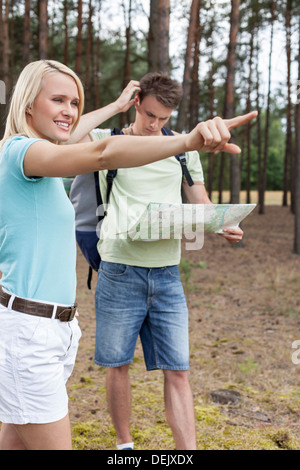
[{"x": 133, "y": 189}]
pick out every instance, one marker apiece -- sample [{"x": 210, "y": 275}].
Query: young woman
[{"x": 39, "y": 330}]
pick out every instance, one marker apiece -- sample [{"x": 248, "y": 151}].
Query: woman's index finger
[{"x": 240, "y": 120}]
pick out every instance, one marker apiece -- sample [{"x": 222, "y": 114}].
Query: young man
[{"x": 139, "y": 291}]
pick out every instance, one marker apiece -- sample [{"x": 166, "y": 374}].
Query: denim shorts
[{"x": 150, "y": 302}]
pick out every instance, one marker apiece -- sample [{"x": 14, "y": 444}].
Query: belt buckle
[
  {"x": 68, "y": 313},
  {"x": 73, "y": 311}
]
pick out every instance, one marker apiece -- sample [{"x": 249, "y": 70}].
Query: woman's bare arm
[{"x": 46, "y": 159}]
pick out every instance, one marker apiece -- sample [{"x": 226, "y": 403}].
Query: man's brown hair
[{"x": 166, "y": 90}]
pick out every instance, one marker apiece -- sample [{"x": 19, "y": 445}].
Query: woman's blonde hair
[{"x": 27, "y": 88}]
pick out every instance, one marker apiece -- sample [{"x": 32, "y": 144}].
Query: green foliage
[
  {"x": 109, "y": 47},
  {"x": 112, "y": 70},
  {"x": 276, "y": 153}
]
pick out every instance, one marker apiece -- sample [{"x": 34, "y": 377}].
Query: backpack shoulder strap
[
  {"x": 109, "y": 178},
  {"x": 182, "y": 160},
  {"x": 111, "y": 174},
  {"x": 116, "y": 131},
  {"x": 97, "y": 188}
]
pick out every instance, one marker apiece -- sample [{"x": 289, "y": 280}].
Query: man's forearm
[
  {"x": 195, "y": 194},
  {"x": 91, "y": 120}
]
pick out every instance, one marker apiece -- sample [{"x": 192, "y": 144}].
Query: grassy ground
[{"x": 244, "y": 317}]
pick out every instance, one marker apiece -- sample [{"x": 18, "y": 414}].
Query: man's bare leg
[
  {"x": 180, "y": 409},
  {"x": 119, "y": 401}
]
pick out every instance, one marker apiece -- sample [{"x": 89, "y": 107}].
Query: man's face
[{"x": 151, "y": 116}]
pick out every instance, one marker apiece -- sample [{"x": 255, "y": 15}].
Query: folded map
[{"x": 167, "y": 220}]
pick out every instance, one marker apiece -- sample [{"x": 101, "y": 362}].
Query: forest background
[{"x": 230, "y": 56}]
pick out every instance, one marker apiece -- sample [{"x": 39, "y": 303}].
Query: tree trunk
[
  {"x": 158, "y": 38},
  {"x": 235, "y": 174},
  {"x": 89, "y": 60},
  {"x": 187, "y": 76},
  {"x": 266, "y": 147},
  {"x": 66, "y": 33},
  {"x": 195, "y": 86},
  {"x": 153, "y": 37},
  {"x": 211, "y": 99},
  {"x": 51, "y": 35},
  {"x": 297, "y": 163},
  {"x": 248, "y": 127},
  {"x": 164, "y": 58},
  {"x": 97, "y": 61},
  {"x": 211, "y": 155},
  {"x": 6, "y": 46},
  {"x": 125, "y": 117},
  {"x": 258, "y": 126},
  {"x": 26, "y": 34},
  {"x": 12, "y": 41},
  {"x": 78, "y": 50},
  {"x": 288, "y": 168},
  {"x": 43, "y": 29}
]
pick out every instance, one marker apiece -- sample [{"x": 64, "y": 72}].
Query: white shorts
[{"x": 37, "y": 356}]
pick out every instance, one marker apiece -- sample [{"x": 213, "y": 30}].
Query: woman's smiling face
[{"x": 55, "y": 109}]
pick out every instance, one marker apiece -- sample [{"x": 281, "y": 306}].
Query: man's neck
[{"x": 132, "y": 130}]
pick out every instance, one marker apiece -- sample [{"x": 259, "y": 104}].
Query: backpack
[{"x": 86, "y": 198}]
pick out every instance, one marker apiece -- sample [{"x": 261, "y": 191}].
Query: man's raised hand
[{"x": 126, "y": 99}]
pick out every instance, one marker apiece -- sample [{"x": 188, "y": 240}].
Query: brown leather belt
[{"x": 38, "y": 309}]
